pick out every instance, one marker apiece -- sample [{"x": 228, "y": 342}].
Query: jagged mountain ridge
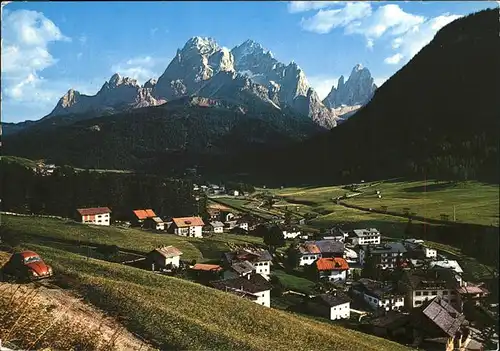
[
  {"x": 203, "y": 68},
  {"x": 349, "y": 96}
]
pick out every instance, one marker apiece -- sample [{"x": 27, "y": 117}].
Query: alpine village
[{"x": 212, "y": 209}]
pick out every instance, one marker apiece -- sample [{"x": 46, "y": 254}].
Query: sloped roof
[
  {"x": 93, "y": 211},
  {"x": 157, "y": 219},
  {"x": 257, "y": 255},
  {"x": 182, "y": 222},
  {"x": 430, "y": 279},
  {"x": 449, "y": 264},
  {"x": 365, "y": 232},
  {"x": 332, "y": 264},
  {"x": 242, "y": 267},
  {"x": 326, "y": 246},
  {"x": 216, "y": 224},
  {"x": 168, "y": 251},
  {"x": 309, "y": 247},
  {"x": 253, "y": 283},
  {"x": 206, "y": 267},
  {"x": 143, "y": 214},
  {"x": 392, "y": 247},
  {"x": 333, "y": 300},
  {"x": 443, "y": 315}
]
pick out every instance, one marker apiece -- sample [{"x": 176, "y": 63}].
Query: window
[
  {"x": 426, "y": 293},
  {"x": 445, "y": 292},
  {"x": 434, "y": 293},
  {"x": 418, "y": 293},
  {"x": 418, "y": 302}
]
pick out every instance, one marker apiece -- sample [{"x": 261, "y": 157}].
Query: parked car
[{"x": 27, "y": 265}]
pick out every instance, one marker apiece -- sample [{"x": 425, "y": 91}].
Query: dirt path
[{"x": 64, "y": 303}]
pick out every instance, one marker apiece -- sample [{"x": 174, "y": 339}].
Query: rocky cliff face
[
  {"x": 247, "y": 74},
  {"x": 117, "y": 94},
  {"x": 349, "y": 95}
]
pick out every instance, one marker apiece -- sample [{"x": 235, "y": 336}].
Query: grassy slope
[
  {"x": 21, "y": 161},
  {"x": 133, "y": 239},
  {"x": 178, "y": 314},
  {"x": 474, "y": 202}
]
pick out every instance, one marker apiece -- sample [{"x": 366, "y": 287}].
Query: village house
[
  {"x": 188, "y": 226},
  {"x": 417, "y": 249},
  {"x": 217, "y": 227},
  {"x": 333, "y": 269},
  {"x": 447, "y": 264},
  {"x": 95, "y": 215},
  {"x": 204, "y": 273},
  {"x": 239, "y": 269},
  {"x": 164, "y": 257},
  {"x": 253, "y": 287},
  {"x": 351, "y": 255},
  {"x": 379, "y": 295},
  {"x": 139, "y": 216},
  {"x": 473, "y": 292},
  {"x": 260, "y": 259},
  {"x": 336, "y": 234},
  {"x": 422, "y": 285},
  {"x": 385, "y": 256},
  {"x": 290, "y": 232},
  {"x": 437, "y": 320},
  {"x": 365, "y": 237},
  {"x": 308, "y": 253},
  {"x": 333, "y": 306},
  {"x": 155, "y": 223}
]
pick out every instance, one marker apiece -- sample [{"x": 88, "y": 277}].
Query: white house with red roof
[
  {"x": 188, "y": 226},
  {"x": 95, "y": 215}
]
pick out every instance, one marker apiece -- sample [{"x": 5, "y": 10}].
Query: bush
[{"x": 108, "y": 250}]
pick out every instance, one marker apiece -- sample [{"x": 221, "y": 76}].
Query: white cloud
[
  {"x": 322, "y": 84},
  {"x": 303, "y": 6},
  {"x": 326, "y": 20},
  {"x": 413, "y": 40},
  {"x": 25, "y": 54},
  {"x": 141, "y": 68},
  {"x": 153, "y": 31},
  {"x": 408, "y": 33},
  {"x": 394, "y": 59},
  {"x": 386, "y": 19},
  {"x": 79, "y": 55}
]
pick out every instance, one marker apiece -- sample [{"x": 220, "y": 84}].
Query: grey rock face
[
  {"x": 246, "y": 74},
  {"x": 117, "y": 94},
  {"x": 357, "y": 90}
]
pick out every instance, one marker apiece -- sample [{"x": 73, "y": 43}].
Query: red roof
[
  {"x": 143, "y": 214},
  {"x": 206, "y": 267},
  {"x": 188, "y": 222},
  {"x": 93, "y": 211},
  {"x": 332, "y": 264}
]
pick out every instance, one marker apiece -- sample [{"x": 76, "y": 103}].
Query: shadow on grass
[
  {"x": 211, "y": 250},
  {"x": 430, "y": 187}
]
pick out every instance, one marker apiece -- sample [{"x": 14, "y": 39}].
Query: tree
[
  {"x": 261, "y": 231},
  {"x": 274, "y": 238},
  {"x": 292, "y": 256},
  {"x": 288, "y": 217}
]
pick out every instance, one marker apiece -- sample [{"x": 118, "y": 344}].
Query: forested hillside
[{"x": 437, "y": 117}]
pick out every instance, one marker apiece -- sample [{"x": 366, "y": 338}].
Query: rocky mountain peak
[
  {"x": 69, "y": 99},
  {"x": 204, "y": 45},
  {"x": 150, "y": 83},
  {"x": 356, "y": 91}
]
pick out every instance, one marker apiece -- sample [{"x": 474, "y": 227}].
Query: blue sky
[{"x": 49, "y": 47}]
